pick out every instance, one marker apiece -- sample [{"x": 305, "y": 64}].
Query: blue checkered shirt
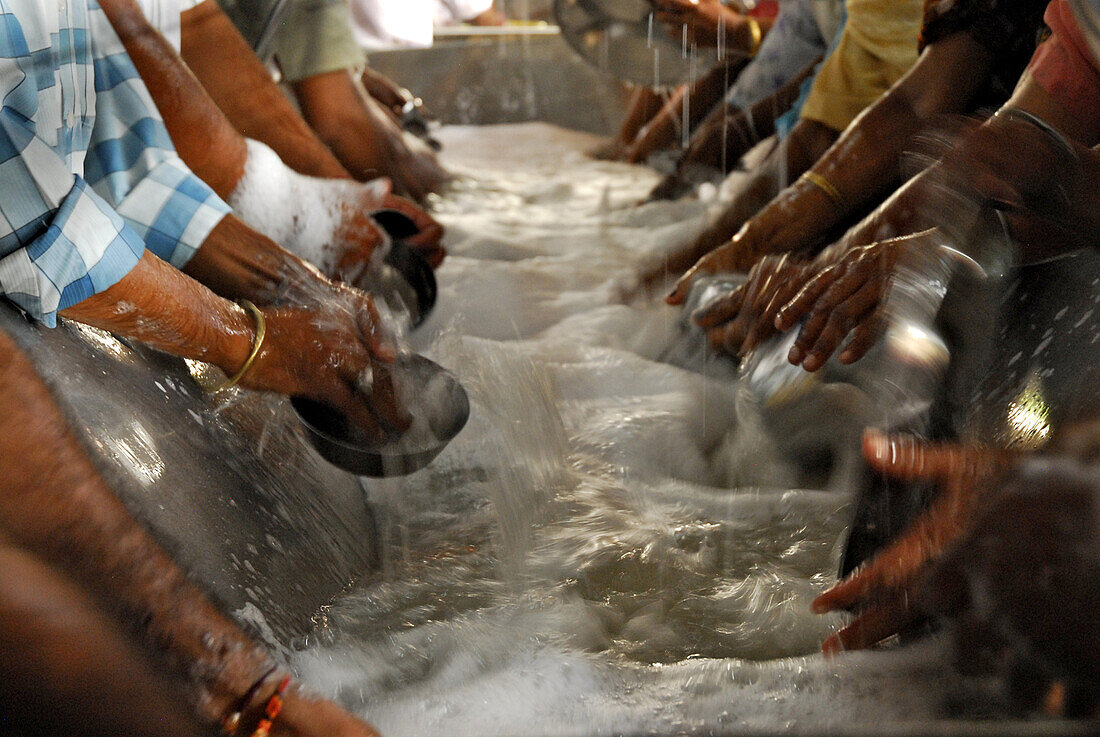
[{"x": 88, "y": 175}]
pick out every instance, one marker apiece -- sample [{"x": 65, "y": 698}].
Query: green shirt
[{"x": 313, "y": 36}]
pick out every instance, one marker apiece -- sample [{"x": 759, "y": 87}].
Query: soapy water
[{"x": 613, "y": 544}]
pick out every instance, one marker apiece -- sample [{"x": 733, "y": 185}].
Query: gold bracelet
[
  {"x": 257, "y": 343},
  {"x": 827, "y": 187},
  {"x": 757, "y": 34}
]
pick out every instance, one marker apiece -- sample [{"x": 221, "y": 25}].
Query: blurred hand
[
  {"x": 1033, "y": 618},
  {"x": 306, "y": 716},
  {"x": 844, "y": 297},
  {"x": 702, "y": 18},
  {"x": 413, "y": 165},
  {"x": 883, "y": 593},
  {"x": 737, "y": 254},
  {"x": 742, "y": 320},
  {"x": 332, "y": 348}
]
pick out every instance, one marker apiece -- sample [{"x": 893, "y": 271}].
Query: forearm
[
  {"x": 56, "y": 506},
  {"x": 865, "y": 162},
  {"x": 203, "y": 137},
  {"x": 162, "y": 307},
  {"x": 807, "y": 141},
  {"x": 241, "y": 87},
  {"x": 349, "y": 122}
]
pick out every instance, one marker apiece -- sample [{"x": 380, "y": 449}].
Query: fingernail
[
  {"x": 795, "y": 355},
  {"x": 846, "y": 357},
  {"x": 819, "y": 607},
  {"x": 832, "y": 646}
]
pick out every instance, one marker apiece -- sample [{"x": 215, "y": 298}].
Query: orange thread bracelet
[
  {"x": 233, "y": 721},
  {"x": 271, "y": 711}
]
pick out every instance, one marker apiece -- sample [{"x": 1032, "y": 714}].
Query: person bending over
[
  {"x": 317, "y": 55},
  {"x": 653, "y": 122},
  {"x": 972, "y": 55}
]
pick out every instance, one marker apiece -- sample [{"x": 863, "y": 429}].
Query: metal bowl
[
  {"x": 342, "y": 444},
  {"x": 413, "y": 270}
]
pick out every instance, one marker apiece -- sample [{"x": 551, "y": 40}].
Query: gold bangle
[
  {"x": 257, "y": 343},
  {"x": 757, "y": 34},
  {"x": 827, "y": 187}
]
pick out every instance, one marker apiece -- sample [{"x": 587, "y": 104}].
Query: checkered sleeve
[
  {"x": 60, "y": 242},
  {"x": 132, "y": 163}
]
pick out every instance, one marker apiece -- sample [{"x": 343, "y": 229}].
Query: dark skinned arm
[
  {"x": 699, "y": 98},
  {"x": 243, "y": 89},
  {"x": 364, "y": 136},
  {"x": 55, "y": 507},
  {"x": 863, "y": 164}
]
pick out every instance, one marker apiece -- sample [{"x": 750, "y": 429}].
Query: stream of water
[{"x": 612, "y": 545}]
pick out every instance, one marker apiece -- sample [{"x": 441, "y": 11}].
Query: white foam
[
  {"x": 605, "y": 515},
  {"x": 306, "y": 215}
]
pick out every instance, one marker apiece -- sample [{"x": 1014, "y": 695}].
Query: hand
[
  {"x": 738, "y": 254},
  {"x": 1034, "y": 615},
  {"x": 702, "y": 17},
  {"x": 844, "y": 298},
  {"x": 883, "y": 591},
  {"x": 413, "y": 165},
  {"x": 333, "y": 349},
  {"x": 306, "y": 716},
  {"x": 429, "y": 238},
  {"x": 358, "y": 235},
  {"x": 741, "y": 320}
]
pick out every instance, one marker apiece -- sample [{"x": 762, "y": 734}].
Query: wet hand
[
  {"x": 741, "y": 320},
  {"x": 429, "y": 237},
  {"x": 738, "y": 254},
  {"x": 882, "y": 593},
  {"x": 844, "y": 298},
  {"x": 307, "y": 716},
  {"x": 333, "y": 349}
]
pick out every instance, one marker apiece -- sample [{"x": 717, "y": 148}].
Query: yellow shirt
[{"x": 877, "y": 46}]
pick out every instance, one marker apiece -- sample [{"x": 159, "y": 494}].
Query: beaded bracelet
[
  {"x": 271, "y": 711},
  {"x": 233, "y": 721},
  {"x": 257, "y": 343}
]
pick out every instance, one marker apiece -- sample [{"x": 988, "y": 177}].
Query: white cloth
[
  {"x": 164, "y": 15},
  {"x": 380, "y": 24}
]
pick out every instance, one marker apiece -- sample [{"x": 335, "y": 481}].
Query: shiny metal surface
[
  {"x": 514, "y": 78},
  {"x": 444, "y": 414},
  {"x": 233, "y": 491}
]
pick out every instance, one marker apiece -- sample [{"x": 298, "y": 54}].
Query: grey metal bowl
[{"x": 441, "y": 418}]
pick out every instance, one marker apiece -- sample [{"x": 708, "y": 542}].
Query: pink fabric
[{"x": 1064, "y": 66}]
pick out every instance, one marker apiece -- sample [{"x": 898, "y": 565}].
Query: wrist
[{"x": 237, "y": 336}]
